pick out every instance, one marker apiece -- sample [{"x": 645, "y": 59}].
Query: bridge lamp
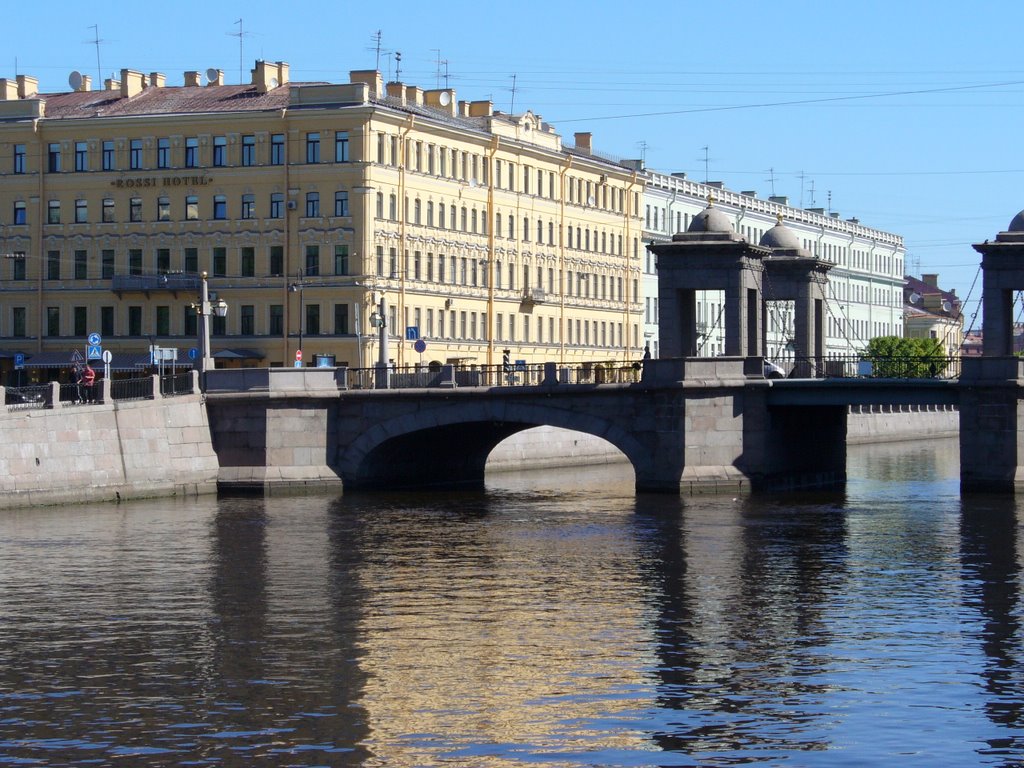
[{"x": 206, "y": 308}]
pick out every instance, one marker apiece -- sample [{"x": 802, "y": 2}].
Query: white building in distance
[{"x": 865, "y": 294}]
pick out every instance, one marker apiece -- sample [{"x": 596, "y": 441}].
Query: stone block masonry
[{"x": 106, "y": 452}]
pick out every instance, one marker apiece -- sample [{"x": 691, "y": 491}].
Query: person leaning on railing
[{"x": 89, "y": 383}]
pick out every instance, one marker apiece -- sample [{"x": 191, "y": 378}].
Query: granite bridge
[{"x": 688, "y": 424}]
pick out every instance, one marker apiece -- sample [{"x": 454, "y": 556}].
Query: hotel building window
[
  {"x": 135, "y": 209},
  {"x": 341, "y": 203},
  {"x": 53, "y": 157},
  {"x": 341, "y": 147},
  {"x": 135, "y": 155},
  {"x": 53, "y": 212},
  {"x": 247, "y": 320},
  {"x": 276, "y": 319},
  {"x": 81, "y": 265},
  {"x": 277, "y": 260},
  {"x": 277, "y": 149},
  {"x": 134, "y": 321},
  {"x": 18, "y": 322},
  {"x": 81, "y": 212},
  {"x": 163, "y": 261},
  {"x": 81, "y": 156},
  {"x": 18, "y": 266},
  {"x": 340, "y": 319},
  {"x": 190, "y": 323},
  {"x": 220, "y": 262},
  {"x": 220, "y": 207},
  {"x": 53, "y": 321},
  {"x": 108, "y": 156},
  {"x": 191, "y": 208},
  {"x": 341, "y": 259},
  {"x": 248, "y": 150},
  {"x": 107, "y": 263},
  {"x": 248, "y": 262},
  {"x": 53, "y": 265},
  {"x": 312, "y": 204},
  {"x": 192, "y": 152},
  {"x": 312, "y": 260},
  {"x": 163, "y": 321},
  {"x": 312, "y": 147},
  {"x": 276, "y": 205},
  {"x": 80, "y": 319},
  {"x": 163, "y": 153},
  {"x": 220, "y": 151},
  {"x": 312, "y": 319},
  {"x": 163, "y": 209},
  {"x": 19, "y": 158},
  {"x": 135, "y": 261},
  {"x": 107, "y": 321},
  {"x": 248, "y": 206}
]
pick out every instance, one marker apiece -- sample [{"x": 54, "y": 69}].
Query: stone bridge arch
[{"x": 448, "y": 444}]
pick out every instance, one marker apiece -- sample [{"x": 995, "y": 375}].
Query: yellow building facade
[{"x": 305, "y": 203}]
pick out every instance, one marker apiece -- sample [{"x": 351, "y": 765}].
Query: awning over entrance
[{"x": 237, "y": 354}]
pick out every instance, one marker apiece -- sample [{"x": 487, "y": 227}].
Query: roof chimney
[
  {"x": 443, "y": 100},
  {"x": 157, "y": 79},
  {"x": 8, "y": 89},
  {"x": 218, "y": 79},
  {"x": 414, "y": 94},
  {"x": 583, "y": 141},
  {"x": 27, "y": 87},
  {"x": 269, "y": 75},
  {"x": 192, "y": 79},
  {"x": 86, "y": 84},
  {"x": 481, "y": 108},
  {"x": 396, "y": 91},
  {"x": 930, "y": 279},
  {"x": 371, "y": 77},
  {"x": 132, "y": 83},
  {"x": 111, "y": 85}
]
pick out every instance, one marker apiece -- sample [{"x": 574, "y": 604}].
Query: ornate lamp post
[
  {"x": 297, "y": 287},
  {"x": 204, "y": 309}
]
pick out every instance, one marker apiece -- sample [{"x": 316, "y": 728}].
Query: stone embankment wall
[
  {"x": 876, "y": 424},
  {"x": 106, "y": 451}
]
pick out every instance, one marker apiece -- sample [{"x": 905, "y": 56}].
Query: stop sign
[{"x": 298, "y": 354}]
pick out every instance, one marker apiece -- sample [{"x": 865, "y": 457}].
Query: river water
[{"x": 555, "y": 619}]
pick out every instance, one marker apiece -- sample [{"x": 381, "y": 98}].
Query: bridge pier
[{"x": 992, "y": 387}]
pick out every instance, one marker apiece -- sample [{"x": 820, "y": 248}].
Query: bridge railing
[{"x": 876, "y": 367}]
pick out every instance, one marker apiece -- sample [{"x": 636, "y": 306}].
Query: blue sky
[{"x": 904, "y": 114}]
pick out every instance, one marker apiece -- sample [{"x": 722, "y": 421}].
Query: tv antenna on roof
[
  {"x": 512, "y": 107},
  {"x": 241, "y": 35},
  {"x": 96, "y": 41},
  {"x": 771, "y": 179}
]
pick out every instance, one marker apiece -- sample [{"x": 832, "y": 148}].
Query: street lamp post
[
  {"x": 297, "y": 287},
  {"x": 204, "y": 309}
]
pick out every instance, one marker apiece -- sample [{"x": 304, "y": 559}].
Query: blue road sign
[
  {"x": 95, "y": 352},
  {"x": 420, "y": 346},
  {"x": 412, "y": 332},
  {"x": 193, "y": 353},
  {"x": 94, "y": 339},
  {"x": 19, "y": 360}
]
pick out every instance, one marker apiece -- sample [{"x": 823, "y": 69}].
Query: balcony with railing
[{"x": 171, "y": 282}]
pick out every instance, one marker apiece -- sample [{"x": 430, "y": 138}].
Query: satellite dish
[
  {"x": 914, "y": 298},
  {"x": 444, "y": 99},
  {"x": 947, "y": 306},
  {"x": 273, "y": 82},
  {"x": 591, "y": 200},
  {"x": 212, "y": 74},
  {"x": 75, "y": 80},
  {"x": 472, "y": 183}
]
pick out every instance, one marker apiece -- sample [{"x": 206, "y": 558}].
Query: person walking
[
  {"x": 76, "y": 378},
  {"x": 89, "y": 382}
]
